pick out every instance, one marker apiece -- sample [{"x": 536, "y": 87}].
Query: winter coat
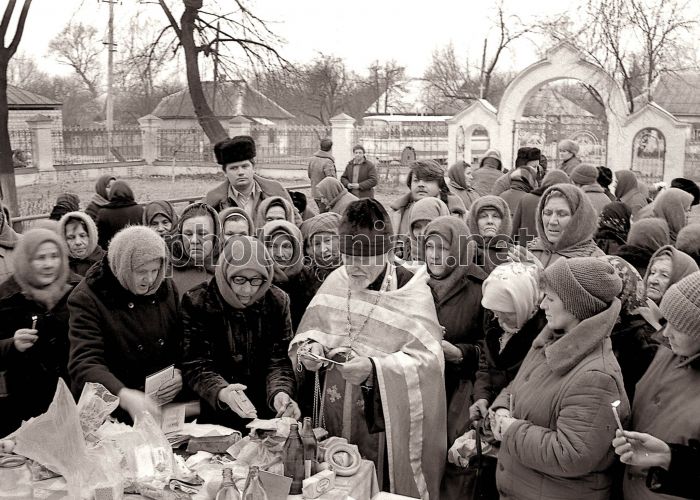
[
  {"x": 115, "y": 216},
  {"x": 634, "y": 347},
  {"x": 597, "y": 196},
  {"x": 224, "y": 346},
  {"x": 322, "y": 165},
  {"x": 300, "y": 288},
  {"x": 484, "y": 179},
  {"x": 337, "y": 197},
  {"x": 8, "y": 241},
  {"x": 518, "y": 189},
  {"x": 627, "y": 191},
  {"x": 81, "y": 266},
  {"x": 29, "y": 378},
  {"x": 367, "y": 178},
  {"x": 118, "y": 338},
  {"x": 568, "y": 166},
  {"x": 218, "y": 198},
  {"x": 186, "y": 278},
  {"x": 666, "y": 406},
  {"x": 459, "y": 186},
  {"x": 498, "y": 368},
  {"x": 559, "y": 445}
]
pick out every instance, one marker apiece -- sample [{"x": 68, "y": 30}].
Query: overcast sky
[{"x": 360, "y": 31}]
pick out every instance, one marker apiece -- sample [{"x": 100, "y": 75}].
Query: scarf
[
  {"x": 632, "y": 294},
  {"x": 179, "y": 256},
  {"x": 239, "y": 254},
  {"x": 101, "y": 198},
  {"x": 283, "y": 272},
  {"x": 159, "y": 207},
  {"x": 458, "y": 178},
  {"x": 578, "y": 234},
  {"x": 493, "y": 203},
  {"x": 454, "y": 233}
]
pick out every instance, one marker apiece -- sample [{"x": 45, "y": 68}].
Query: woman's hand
[
  {"x": 452, "y": 353},
  {"x": 285, "y": 406},
  {"x": 479, "y": 410},
  {"x": 357, "y": 370},
  {"x": 494, "y": 420},
  {"x": 25, "y": 338},
  {"x": 167, "y": 392},
  {"x": 227, "y": 395},
  {"x": 314, "y": 348},
  {"x": 135, "y": 402},
  {"x": 642, "y": 450}
]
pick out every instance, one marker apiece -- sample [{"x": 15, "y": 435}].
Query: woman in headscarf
[
  {"x": 34, "y": 328},
  {"x": 235, "y": 221},
  {"x": 121, "y": 211},
  {"x": 666, "y": 267},
  {"x": 8, "y": 242},
  {"x": 274, "y": 208},
  {"x": 632, "y": 341},
  {"x": 424, "y": 211},
  {"x": 525, "y": 216},
  {"x": 645, "y": 237},
  {"x": 334, "y": 195},
  {"x": 455, "y": 283},
  {"x": 566, "y": 222},
  {"x": 79, "y": 233},
  {"x": 125, "y": 323},
  {"x": 65, "y": 203},
  {"x": 160, "y": 216},
  {"x": 554, "y": 419},
  {"x": 194, "y": 246},
  {"x": 101, "y": 197},
  {"x": 460, "y": 175},
  {"x": 237, "y": 330},
  {"x": 666, "y": 405},
  {"x": 628, "y": 192},
  {"x": 613, "y": 227},
  {"x": 673, "y": 205},
  {"x": 490, "y": 225}
]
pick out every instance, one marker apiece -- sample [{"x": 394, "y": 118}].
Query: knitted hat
[
  {"x": 240, "y": 148},
  {"x": 86, "y": 221},
  {"x": 586, "y": 285},
  {"x": 326, "y": 222},
  {"x": 492, "y": 158},
  {"x": 688, "y": 186},
  {"x": 605, "y": 176},
  {"x": 358, "y": 146},
  {"x": 236, "y": 213},
  {"x": 159, "y": 207},
  {"x": 365, "y": 229},
  {"x": 680, "y": 305},
  {"x": 584, "y": 174},
  {"x": 326, "y": 144},
  {"x": 133, "y": 247},
  {"x": 513, "y": 288},
  {"x": 243, "y": 253},
  {"x": 568, "y": 145}
]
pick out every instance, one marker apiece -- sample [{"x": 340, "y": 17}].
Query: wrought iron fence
[
  {"x": 190, "y": 144},
  {"x": 692, "y": 160},
  {"x": 402, "y": 143},
  {"x": 78, "y": 146},
  {"x": 21, "y": 144},
  {"x": 289, "y": 145}
]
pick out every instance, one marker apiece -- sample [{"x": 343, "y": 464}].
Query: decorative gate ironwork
[{"x": 649, "y": 155}]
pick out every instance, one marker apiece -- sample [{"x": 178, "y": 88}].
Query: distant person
[
  {"x": 628, "y": 191},
  {"x": 160, "y": 215},
  {"x": 101, "y": 197},
  {"x": 65, "y": 203},
  {"x": 242, "y": 187},
  {"x": 586, "y": 177},
  {"x": 527, "y": 162},
  {"x": 519, "y": 187},
  {"x": 79, "y": 233},
  {"x": 605, "y": 178},
  {"x": 322, "y": 165},
  {"x": 20, "y": 158},
  {"x": 688, "y": 241},
  {"x": 490, "y": 169},
  {"x": 121, "y": 211},
  {"x": 306, "y": 209},
  {"x": 568, "y": 150},
  {"x": 360, "y": 176},
  {"x": 645, "y": 237},
  {"x": 334, "y": 196},
  {"x": 8, "y": 241},
  {"x": 689, "y": 187},
  {"x": 462, "y": 183}
]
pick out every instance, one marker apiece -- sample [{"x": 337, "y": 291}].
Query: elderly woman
[
  {"x": 194, "y": 246},
  {"x": 666, "y": 405},
  {"x": 101, "y": 197},
  {"x": 274, "y": 208},
  {"x": 8, "y": 242},
  {"x": 34, "y": 328},
  {"x": 79, "y": 232},
  {"x": 125, "y": 322},
  {"x": 490, "y": 225},
  {"x": 613, "y": 227},
  {"x": 160, "y": 215},
  {"x": 424, "y": 211},
  {"x": 237, "y": 329},
  {"x": 121, "y": 211},
  {"x": 566, "y": 221},
  {"x": 461, "y": 179},
  {"x": 628, "y": 192},
  {"x": 235, "y": 222},
  {"x": 524, "y": 218},
  {"x": 334, "y": 195},
  {"x": 554, "y": 419},
  {"x": 644, "y": 239}
]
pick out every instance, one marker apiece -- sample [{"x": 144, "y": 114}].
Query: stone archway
[
  {"x": 562, "y": 62},
  {"x": 479, "y": 114}
]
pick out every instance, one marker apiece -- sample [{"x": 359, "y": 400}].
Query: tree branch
[
  {"x": 5, "y": 24},
  {"x": 171, "y": 18}
]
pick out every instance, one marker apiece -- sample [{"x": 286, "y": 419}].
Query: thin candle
[{"x": 614, "y": 405}]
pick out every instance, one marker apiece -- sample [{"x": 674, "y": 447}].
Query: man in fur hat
[{"x": 242, "y": 188}]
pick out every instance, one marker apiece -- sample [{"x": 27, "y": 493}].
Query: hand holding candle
[{"x": 614, "y": 405}]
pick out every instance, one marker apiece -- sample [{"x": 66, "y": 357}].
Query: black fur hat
[{"x": 241, "y": 147}]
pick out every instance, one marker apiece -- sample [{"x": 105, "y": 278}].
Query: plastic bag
[{"x": 95, "y": 405}]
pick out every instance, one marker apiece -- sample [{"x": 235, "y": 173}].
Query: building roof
[
  {"x": 678, "y": 92},
  {"x": 233, "y": 98},
  {"x": 408, "y": 118},
  {"x": 18, "y": 98},
  {"x": 549, "y": 102}
]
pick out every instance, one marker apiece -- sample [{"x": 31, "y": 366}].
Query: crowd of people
[{"x": 520, "y": 305}]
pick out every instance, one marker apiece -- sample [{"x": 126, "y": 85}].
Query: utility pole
[
  {"x": 216, "y": 71},
  {"x": 481, "y": 76},
  {"x": 109, "y": 103}
]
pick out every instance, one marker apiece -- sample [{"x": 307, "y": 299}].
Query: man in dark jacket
[
  {"x": 519, "y": 187},
  {"x": 322, "y": 165},
  {"x": 568, "y": 150},
  {"x": 242, "y": 187},
  {"x": 360, "y": 174}
]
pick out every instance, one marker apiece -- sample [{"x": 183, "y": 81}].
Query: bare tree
[
  {"x": 201, "y": 32},
  {"x": 8, "y": 190},
  {"x": 445, "y": 80},
  {"x": 328, "y": 83},
  {"x": 387, "y": 81},
  {"x": 79, "y": 47}
]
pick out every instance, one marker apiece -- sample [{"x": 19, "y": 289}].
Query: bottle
[
  {"x": 228, "y": 490},
  {"x": 308, "y": 438},
  {"x": 253, "y": 487},
  {"x": 293, "y": 456}
]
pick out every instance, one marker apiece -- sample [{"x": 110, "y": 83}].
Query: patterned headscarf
[{"x": 632, "y": 295}]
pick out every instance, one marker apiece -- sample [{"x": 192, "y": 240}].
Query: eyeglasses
[{"x": 242, "y": 280}]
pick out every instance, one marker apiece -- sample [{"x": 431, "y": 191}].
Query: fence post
[
  {"x": 238, "y": 125},
  {"x": 342, "y": 127},
  {"x": 150, "y": 125},
  {"x": 42, "y": 147}
]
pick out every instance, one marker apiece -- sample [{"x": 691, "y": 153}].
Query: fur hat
[
  {"x": 521, "y": 157},
  {"x": 132, "y": 247},
  {"x": 240, "y": 148},
  {"x": 243, "y": 253},
  {"x": 586, "y": 285},
  {"x": 86, "y": 221},
  {"x": 365, "y": 229},
  {"x": 689, "y": 187},
  {"x": 533, "y": 154},
  {"x": 568, "y": 145},
  {"x": 326, "y": 144},
  {"x": 584, "y": 175},
  {"x": 680, "y": 305},
  {"x": 605, "y": 176}
]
